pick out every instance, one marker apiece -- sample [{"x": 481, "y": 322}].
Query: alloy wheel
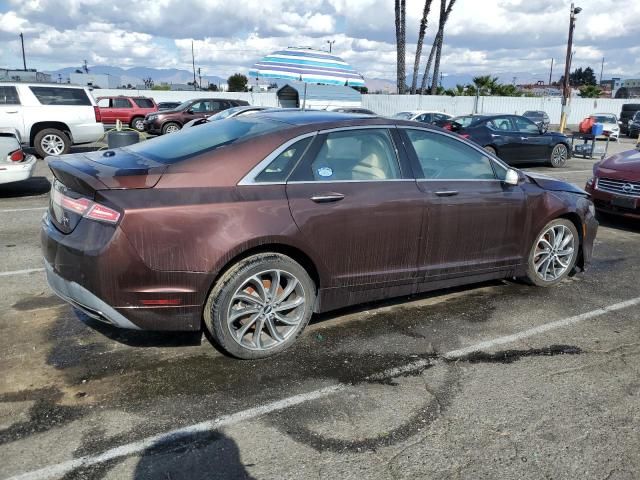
[
  {"x": 553, "y": 253},
  {"x": 139, "y": 124},
  {"x": 52, "y": 144},
  {"x": 172, "y": 129},
  {"x": 266, "y": 309},
  {"x": 559, "y": 156}
]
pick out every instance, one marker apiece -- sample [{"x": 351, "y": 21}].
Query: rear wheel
[
  {"x": 51, "y": 141},
  {"x": 171, "y": 127},
  {"x": 260, "y": 306},
  {"x": 137, "y": 123},
  {"x": 559, "y": 155},
  {"x": 554, "y": 253}
]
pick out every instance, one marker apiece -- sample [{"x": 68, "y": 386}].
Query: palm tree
[
  {"x": 400, "y": 44},
  {"x": 421, "y": 33},
  {"x": 485, "y": 84},
  {"x": 444, "y": 16}
]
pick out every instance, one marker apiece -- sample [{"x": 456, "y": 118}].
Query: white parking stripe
[
  {"x": 10, "y": 210},
  {"x": 21, "y": 272},
  {"x": 60, "y": 469}
]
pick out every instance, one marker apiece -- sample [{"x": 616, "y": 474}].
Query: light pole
[
  {"x": 566, "y": 92},
  {"x": 330, "y": 42}
]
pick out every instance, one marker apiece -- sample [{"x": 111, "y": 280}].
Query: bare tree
[
  {"x": 421, "y": 33},
  {"x": 444, "y": 16},
  {"x": 400, "y": 44}
]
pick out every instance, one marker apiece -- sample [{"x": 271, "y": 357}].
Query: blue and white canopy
[{"x": 307, "y": 65}]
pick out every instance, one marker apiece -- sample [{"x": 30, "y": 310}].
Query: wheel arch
[
  {"x": 574, "y": 218},
  {"x": 39, "y": 126}
]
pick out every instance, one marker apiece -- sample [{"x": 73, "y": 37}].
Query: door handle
[
  {"x": 12, "y": 111},
  {"x": 327, "y": 197},
  {"x": 447, "y": 193}
]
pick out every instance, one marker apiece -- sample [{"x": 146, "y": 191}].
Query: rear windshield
[
  {"x": 174, "y": 147},
  {"x": 61, "y": 96},
  {"x": 144, "y": 102},
  {"x": 604, "y": 118}
]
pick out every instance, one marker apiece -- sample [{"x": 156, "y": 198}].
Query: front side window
[
  {"x": 445, "y": 158},
  {"x": 9, "y": 96},
  {"x": 424, "y": 118},
  {"x": 61, "y": 96},
  {"x": 500, "y": 124},
  {"x": 200, "y": 107},
  {"x": 526, "y": 126},
  {"x": 279, "y": 168},
  {"x": 364, "y": 155}
]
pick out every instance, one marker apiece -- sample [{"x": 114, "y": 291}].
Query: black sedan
[
  {"x": 538, "y": 117},
  {"x": 516, "y": 139},
  {"x": 633, "y": 127}
]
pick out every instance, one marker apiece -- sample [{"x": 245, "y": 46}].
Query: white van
[{"x": 49, "y": 116}]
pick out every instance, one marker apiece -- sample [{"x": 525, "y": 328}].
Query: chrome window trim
[
  {"x": 356, "y": 127},
  {"x": 320, "y": 182},
  {"x": 250, "y": 178},
  {"x": 455, "y": 137}
]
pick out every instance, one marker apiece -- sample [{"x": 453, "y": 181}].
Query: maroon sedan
[
  {"x": 615, "y": 186},
  {"x": 248, "y": 225}
]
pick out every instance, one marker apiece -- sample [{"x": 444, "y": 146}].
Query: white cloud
[{"x": 483, "y": 36}]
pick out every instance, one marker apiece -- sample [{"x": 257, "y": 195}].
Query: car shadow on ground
[
  {"x": 618, "y": 222},
  {"x": 25, "y": 188}
]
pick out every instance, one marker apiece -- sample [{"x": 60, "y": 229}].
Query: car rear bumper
[
  {"x": 16, "y": 172},
  {"x": 603, "y": 202},
  {"x": 96, "y": 269}
]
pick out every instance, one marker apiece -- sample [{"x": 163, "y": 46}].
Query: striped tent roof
[{"x": 307, "y": 65}]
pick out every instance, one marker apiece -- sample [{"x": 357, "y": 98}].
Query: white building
[
  {"x": 96, "y": 80},
  {"x": 31, "y": 75}
]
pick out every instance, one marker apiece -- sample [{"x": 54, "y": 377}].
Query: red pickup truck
[{"x": 129, "y": 110}]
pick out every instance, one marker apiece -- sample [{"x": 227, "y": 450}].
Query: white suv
[{"x": 49, "y": 116}]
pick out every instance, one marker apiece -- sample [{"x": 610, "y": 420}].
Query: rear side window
[
  {"x": 9, "y": 96},
  {"x": 144, "y": 102},
  {"x": 280, "y": 167},
  {"x": 190, "y": 142},
  {"x": 121, "y": 103},
  {"x": 61, "y": 96}
]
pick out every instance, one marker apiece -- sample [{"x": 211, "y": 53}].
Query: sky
[{"x": 482, "y": 36}]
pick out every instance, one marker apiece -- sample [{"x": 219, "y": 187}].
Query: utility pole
[
  {"x": 566, "y": 92},
  {"x": 193, "y": 62},
  {"x": 330, "y": 42},
  {"x": 551, "y": 72},
  {"x": 24, "y": 59},
  {"x": 601, "y": 70},
  {"x": 85, "y": 67},
  {"x": 199, "y": 78}
]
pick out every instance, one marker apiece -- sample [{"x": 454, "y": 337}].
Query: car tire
[
  {"x": 137, "y": 123},
  {"x": 491, "y": 150},
  {"x": 170, "y": 127},
  {"x": 549, "y": 261},
  {"x": 559, "y": 155},
  {"x": 51, "y": 141},
  {"x": 247, "y": 287}
]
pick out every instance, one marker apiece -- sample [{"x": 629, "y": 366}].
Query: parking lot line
[
  {"x": 10, "y": 210},
  {"x": 60, "y": 469},
  {"x": 21, "y": 272}
]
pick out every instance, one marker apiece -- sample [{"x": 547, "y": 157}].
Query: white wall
[{"x": 390, "y": 104}]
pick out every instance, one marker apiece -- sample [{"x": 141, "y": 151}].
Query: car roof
[{"x": 304, "y": 117}]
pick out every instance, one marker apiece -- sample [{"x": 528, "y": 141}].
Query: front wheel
[
  {"x": 554, "y": 253},
  {"x": 260, "y": 306},
  {"x": 171, "y": 127},
  {"x": 559, "y": 155}
]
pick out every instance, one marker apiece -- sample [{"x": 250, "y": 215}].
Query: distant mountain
[{"x": 135, "y": 75}]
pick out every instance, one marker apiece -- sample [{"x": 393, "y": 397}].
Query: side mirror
[
  {"x": 190, "y": 111},
  {"x": 512, "y": 177}
]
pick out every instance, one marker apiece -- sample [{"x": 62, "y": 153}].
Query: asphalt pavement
[{"x": 497, "y": 380}]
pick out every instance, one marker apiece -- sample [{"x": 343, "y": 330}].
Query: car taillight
[
  {"x": 96, "y": 110},
  {"x": 85, "y": 207},
  {"x": 17, "y": 156},
  {"x": 447, "y": 126}
]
